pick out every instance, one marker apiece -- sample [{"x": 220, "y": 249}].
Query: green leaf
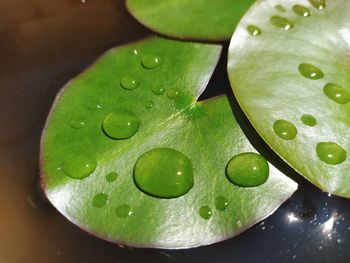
[
  {"x": 292, "y": 81},
  {"x": 199, "y": 19},
  {"x": 103, "y": 182}
]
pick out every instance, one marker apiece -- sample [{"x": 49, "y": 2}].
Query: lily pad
[
  {"x": 292, "y": 81},
  {"x": 200, "y": 19},
  {"x": 144, "y": 163}
]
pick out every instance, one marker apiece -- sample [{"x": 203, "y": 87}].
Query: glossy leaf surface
[
  {"x": 167, "y": 130},
  {"x": 292, "y": 81},
  {"x": 200, "y": 19}
]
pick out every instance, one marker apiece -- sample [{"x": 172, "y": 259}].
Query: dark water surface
[{"x": 44, "y": 43}]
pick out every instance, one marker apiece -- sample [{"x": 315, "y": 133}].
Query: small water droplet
[
  {"x": 281, "y": 22},
  {"x": 151, "y": 62},
  {"x": 205, "y": 212},
  {"x": 158, "y": 90},
  {"x": 221, "y": 203},
  {"x": 135, "y": 52},
  {"x": 123, "y": 211},
  {"x": 149, "y": 104},
  {"x": 120, "y": 124},
  {"x": 285, "y": 129},
  {"x": 318, "y": 4},
  {"x": 129, "y": 83},
  {"x": 254, "y": 30},
  {"x": 164, "y": 173},
  {"x": 77, "y": 124},
  {"x": 336, "y": 93},
  {"x": 247, "y": 170},
  {"x": 111, "y": 177},
  {"x": 310, "y": 71},
  {"x": 330, "y": 153},
  {"x": 173, "y": 93},
  {"x": 280, "y": 8},
  {"x": 79, "y": 166},
  {"x": 308, "y": 120},
  {"x": 301, "y": 10},
  {"x": 100, "y": 200},
  {"x": 94, "y": 106}
]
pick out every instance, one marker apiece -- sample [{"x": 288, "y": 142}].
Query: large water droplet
[
  {"x": 285, "y": 129},
  {"x": 121, "y": 124},
  {"x": 205, "y": 212},
  {"x": 79, "y": 166},
  {"x": 221, "y": 203},
  {"x": 281, "y": 22},
  {"x": 330, "y": 153},
  {"x": 111, "y": 177},
  {"x": 318, "y": 4},
  {"x": 151, "y": 62},
  {"x": 173, "y": 93},
  {"x": 156, "y": 90},
  {"x": 129, "y": 83},
  {"x": 77, "y": 124},
  {"x": 301, "y": 10},
  {"x": 308, "y": 120},
  {"x": 336, "y": 93},
  {"x": 164, "y": 173},
  {"x": 99, "y": 200},
  {"x": 310, "y": 71},
  {"x": 254, "y": 30},
  {"x": 280, "y": 8},
  {"x": 123, "y": 211},
  {"x": 247, "y": 170}
]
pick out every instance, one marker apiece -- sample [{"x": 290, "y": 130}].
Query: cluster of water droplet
[
  {"x": 160, "y": 172},
  {"x": 328, "y": 152},
  {"x": 285, "y": 23}
]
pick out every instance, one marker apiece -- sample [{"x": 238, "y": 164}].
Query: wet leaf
[
  {"x": 145, "y": 165},
  {"x": 292, "y": 81},
  {"x": 200, "y": 19}
]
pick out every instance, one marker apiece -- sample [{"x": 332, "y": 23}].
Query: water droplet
[
  {"x": 254, "y": 30},
  {"x": 247, "y": 170},
  {"x": 173, "y": 93},
  {"x": 149, "y": 104},
  {"x": 79, "y": 166},
  {"x": 164, "y": 173},
  {"x": 336, "y": 93},
  {"x": 281, "y": 22},
  {"x": 221, "y": 203},
  {"x": 318, "y": 4},
  {"x": 129, "y": 83},
  {"x": 120, "y": 124},
  {"x": 285, "y": 129},
  {"x": 94, "y": 106},
  {"x": 280, "y": 8},
  {"x": 111, "y": 177},
  {"x": 123, "y": 211},
  {"x": 205, "y": 212},
  {"x": 308, "y": 120},
  {"x": 100, "y": 200},
  {"x": 330, "y": 153},
  {"x": 301, "y": 10},
  {"x": 77, "y": 124},
  {"x": 151, "y": 62},
  {"x": 135, "y": 52},
  {"x": 158, "y": 90},
  {"x": 311, "y": 72}
]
